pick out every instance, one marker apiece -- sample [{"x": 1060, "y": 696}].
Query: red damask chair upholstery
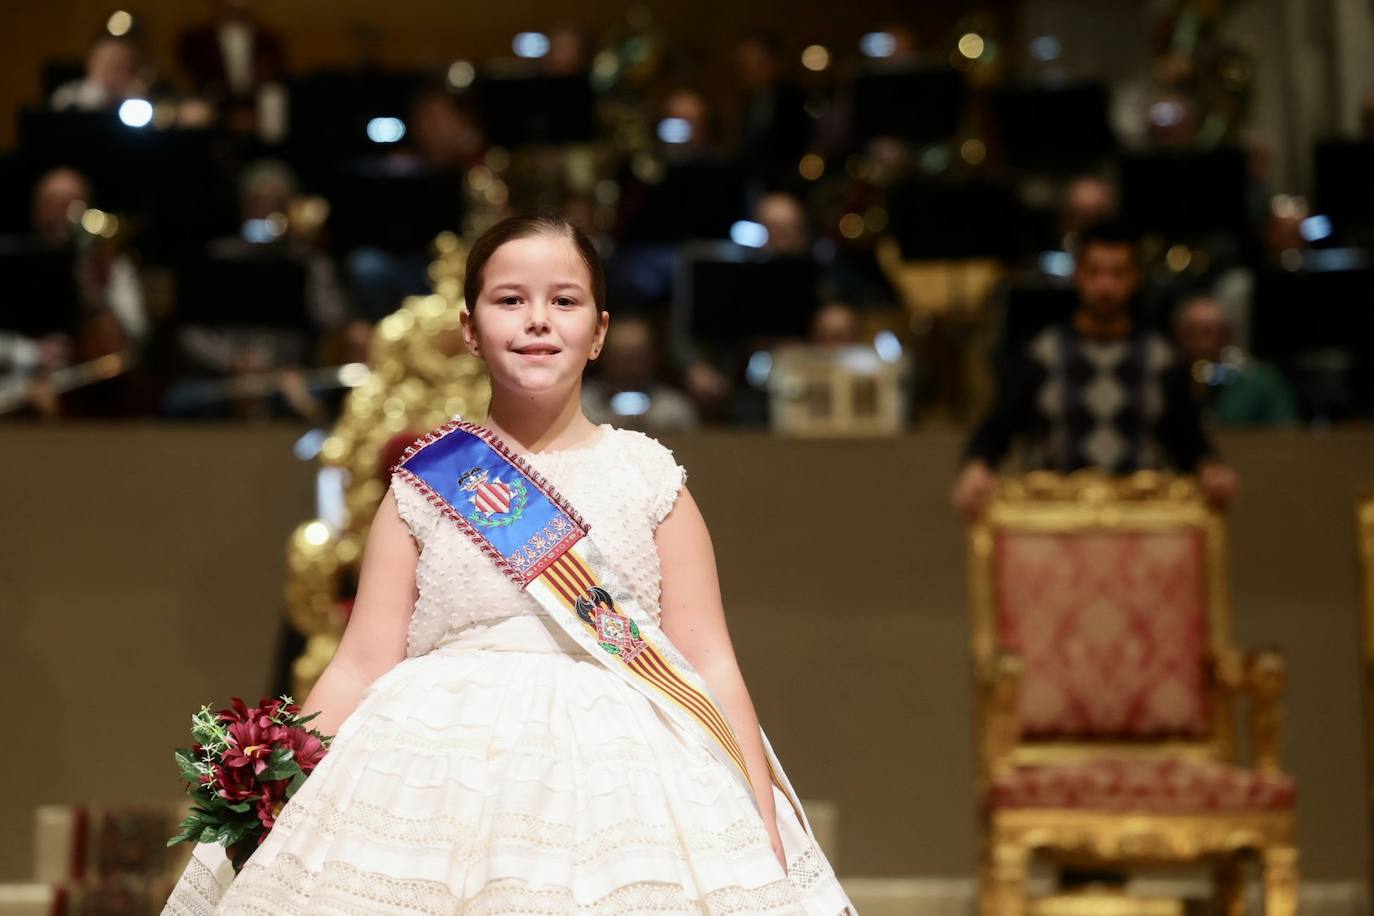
[{"x": 1108, "y": 687}]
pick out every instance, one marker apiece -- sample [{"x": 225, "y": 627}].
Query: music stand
[
  {"x": 1056, "y": 129},
  {"x": 938, "y": 220},
  {"x": 397, "y": 212},
  {"x": 40, "y": 292},
  {"x": 1186, "y": 194},
  {"x": 726, "y": 295},
  {"x": 261, "y": 289},
  {"x": 1344, "y": 189},
  {"x": 536, "y": 109},
  {"x": 918, "y": 104},
  {"x": 694, "y": 200}
]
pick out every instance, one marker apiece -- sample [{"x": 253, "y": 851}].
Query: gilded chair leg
[
  {"x": 1280, "y": 881},
  {"x": 1003, "y": 878},
  {"x": 1230, "y": 887}
]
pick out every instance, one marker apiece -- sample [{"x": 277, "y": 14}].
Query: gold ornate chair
[{"x": 1107, "y": 688}]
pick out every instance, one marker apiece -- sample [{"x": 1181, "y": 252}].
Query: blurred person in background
[
  {"x": 774, "y": 128},
  {"x": 835, "y": 324},
  {"x": 784, "y": 217},
  {"x": 627, "y": 390},
  {"x": 113, "y": 74},
  {"x": 1097, "y": 392},
  {"x": 445, "y": 131},
  {"x": 107, "y": 278},
  {"x": 266, "y": 190},
  {"x": 230, "y": 59},
  {"x": 567, "y": 55},
  {"x": 1235, "y": 389},
  {"x": 1087, "y": 200}
]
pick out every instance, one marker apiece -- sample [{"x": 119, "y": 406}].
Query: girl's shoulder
[{"x": 654, "y": 463}]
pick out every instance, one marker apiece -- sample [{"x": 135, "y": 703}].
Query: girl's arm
[
  {"x": 694, "y": 619},
  {"x": 375, "y": 638}
]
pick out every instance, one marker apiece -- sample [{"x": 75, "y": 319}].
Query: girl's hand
[{"x": 777, "y": 848}]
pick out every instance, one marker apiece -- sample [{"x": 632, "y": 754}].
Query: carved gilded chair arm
[
  {"x": 1266, "y": 675},
  {"x": 1226, "y": 668},
  {"x": 999, "y": 686}
]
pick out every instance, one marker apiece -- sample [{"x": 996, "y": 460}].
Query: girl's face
[{"x": 536, "y": 323}]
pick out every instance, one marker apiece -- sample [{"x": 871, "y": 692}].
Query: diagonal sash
[{"x": 538, "y": 540}]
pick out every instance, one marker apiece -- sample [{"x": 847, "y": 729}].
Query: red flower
[
  {"x": 270, "y": 804},
  {"x": 235, "y": 783},
  {"x": 251, "y": 743},
  {"x": 306, "y": 748},
  {"x": 262, "y": 714}
]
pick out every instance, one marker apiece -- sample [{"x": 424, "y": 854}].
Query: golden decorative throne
[
  {"x": 1107, "y": 690},
  {"x": 419, "y": 377}
]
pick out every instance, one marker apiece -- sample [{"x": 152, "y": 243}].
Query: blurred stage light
[
  {"x": 851, "y": 225},
  {"x": 1315, "y": 228},
  {"x": 811, "y": 166},
  {"x": 385, "y": 130},
  {"x": 262, "y": 231},
  {"x": 674, "y": 130},
  {"x": 530, "y": 44},
  {"x": 136, "y": 112},
  {"x": 759, "y": 368},
  {"x": 749, "y": 234},
  {"x": 119, "y": 23},
  {"x": 888, "y": 346},
  {"x": 461, "y": 74},
  {"x": 1056, "y": 263},
  {"x": 973, "y": 151},
  {"x": 1167, "y": 113},
  {"x": 875, "y": 218},
  {"x": 1178, "y": 257},
  {"x": 93, "y": 221},
  {"x": 308, "y": 446},
  {"x": 1046, "y": 48},
  {"x": 630, "y": 403},
  {"x": 877, "y": 44},
  {"x": 316, "y": 533},
  {"x": 816, "y": 57},
  {"x": 971, "y": 46}
]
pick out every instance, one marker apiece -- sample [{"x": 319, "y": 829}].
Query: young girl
[{"x": 536, "y": 704}]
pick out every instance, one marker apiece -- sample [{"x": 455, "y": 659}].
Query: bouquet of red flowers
[{"x": 244, "y": 765}]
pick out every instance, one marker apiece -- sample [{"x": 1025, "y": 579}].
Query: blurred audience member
[
  {"x": 567, "y": 54},
  {"x": 697, "y": 142},
  {"x": 626, "y": 389},
  {"x": 1087, "y": 200},
  {"x": 445, "y": 131},
  {"x": 774, "y": 129},
  {"x": 1235, "y": 389},
  {"x": 783, "y": 216},
  {"x": 835, "y": 324},
  {"x": 266, "y": 189},
  {"x": 230, "y": 59},
  {"x": 107, "y": 278},
  {"x": 113, "y": 75},
  {"x": 1095, "y": 392}
]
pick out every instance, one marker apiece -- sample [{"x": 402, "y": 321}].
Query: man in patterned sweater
[{"x": 1097, "y": 391}]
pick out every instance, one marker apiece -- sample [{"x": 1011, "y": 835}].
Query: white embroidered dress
[{"x": 500, "y": 769}]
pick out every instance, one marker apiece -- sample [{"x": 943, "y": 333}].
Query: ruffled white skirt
[{"x": 509, "y": 772}]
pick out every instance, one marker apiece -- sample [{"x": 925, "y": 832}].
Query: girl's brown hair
[{"x": 523, "y": 227}]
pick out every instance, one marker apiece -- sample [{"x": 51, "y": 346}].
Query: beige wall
[{"x": 140, "y": 568}]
